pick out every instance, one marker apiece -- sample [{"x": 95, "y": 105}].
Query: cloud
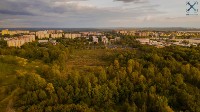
[
  {"x": 8, "y": 12},
  {"x": 135, "y": 1},
  {"x": 79, "y": 13},
  {"x": 41, "y": 7}
]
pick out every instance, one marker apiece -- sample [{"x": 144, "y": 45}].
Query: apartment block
[
  {"x": 19, "y": 41},
  {"x": 22, "y": 32},
  {"x": 142, "y": 34},
  {"x": 72, "y": 35},
  {"x": 51, "y": 31},
  {"x": 42, "y": 34},
  {"x": 58, "y": 35},
  {"x": 59, "y": 31},
  {"x": 4, "y": 32}
]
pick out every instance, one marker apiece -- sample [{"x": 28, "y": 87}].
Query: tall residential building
[
  {"x": 142, "y": 34},
  {"x": 42, "y": 34},
  {"x": 4, "y": 32},
  {"x": 72, "y": 35},
  {"x": 59, "y": 31},
  {"x": 12, "y": 32},
  {"x": 95, "y": 39},
  {"x": 19, "y": 41},
  {"x": 51, "y": 31},
  {"x": 132, "y": 33},
  {"x": 123, "y": 32},
  {"x": 58, "y": 35}
]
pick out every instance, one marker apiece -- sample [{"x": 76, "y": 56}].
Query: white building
[
  {"x": 104, "y": 39},
  {"x": 95, "y": 39}
]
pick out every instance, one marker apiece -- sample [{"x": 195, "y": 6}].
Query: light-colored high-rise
[{"x": 19, "y": 41}]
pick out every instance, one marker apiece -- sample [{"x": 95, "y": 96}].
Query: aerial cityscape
[
  {"x": 99, "y": 56},
  {"x": 154, "y": 38}
]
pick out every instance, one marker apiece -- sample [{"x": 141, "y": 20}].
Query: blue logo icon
[{"x": 192, "y": 8}]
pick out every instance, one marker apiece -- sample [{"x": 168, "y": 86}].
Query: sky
[{"x": 96, "y": 13}]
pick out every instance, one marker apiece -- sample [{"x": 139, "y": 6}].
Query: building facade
[
  {"x": 72, "y": 35},
  {"x": 58, "y": 35},
  {"x": 19, "y": 41}
]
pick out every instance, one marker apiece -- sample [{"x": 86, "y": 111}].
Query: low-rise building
[
  {"x": 7, "y": 32},
  {"x": 190, "y": 41},
  {"x": 47, "y": 41},
  {"x": 43, "y": 41},
  {"x": 104, "y": 39},
  {"x": 117, "y": 38},
  {"x": 143, "y": 40},
  {"x": 95, "y": 39}
]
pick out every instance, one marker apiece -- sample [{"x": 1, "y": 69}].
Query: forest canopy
[{"x": 141, "y": 79}]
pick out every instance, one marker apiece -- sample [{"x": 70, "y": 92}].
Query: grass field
[
  {"x": 96, "y": 57},
  {"x": 82, "y": 60}
]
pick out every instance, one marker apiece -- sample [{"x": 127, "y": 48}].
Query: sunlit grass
[{"x": 88, "y": 58}]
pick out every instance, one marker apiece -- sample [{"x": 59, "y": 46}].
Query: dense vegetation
[{"x": 141, "y": 79}]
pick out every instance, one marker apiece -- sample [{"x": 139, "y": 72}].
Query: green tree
[
  {"x": 116, "y": 64},
  {"x": 50, "y": 88},
  {"x": 42, "y": 95}
]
